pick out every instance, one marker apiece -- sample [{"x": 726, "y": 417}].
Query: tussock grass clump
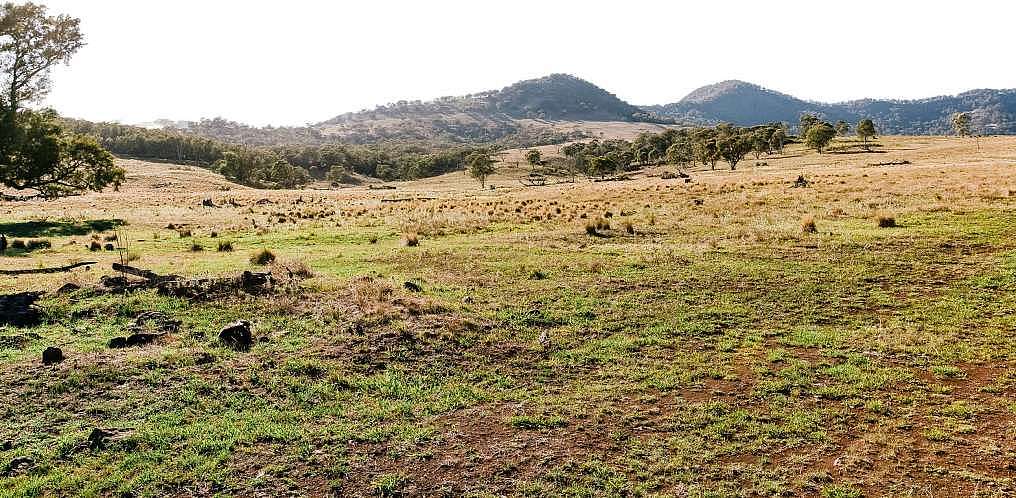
[
  {"x": 628, "y": 227},
  {"x": 133, "y": 256},
  {"x": 262, "y": 257},
  {"x": 184, "y": 233},
  {"x": 295, "y": 269},
  {"x": 196, "y": 247},
  {"x": 885, "y": 220},
  {"x": 591, "y": 228},
  {"x": 808, "y": 224},
  {"x": 94, "y": 246},
  {"x": 370, "y": 293},
  {"x": 410, "y": 239},
  {"x": 225, "y": 246}
]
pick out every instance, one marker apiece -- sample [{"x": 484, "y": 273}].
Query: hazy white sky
[{"x": 298, "y": 61}]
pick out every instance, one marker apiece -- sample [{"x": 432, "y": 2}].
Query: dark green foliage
[
  {"x": 36, "y": 154},
  {"x": 480, "y": 166},
  {"x": 866, "y": 130},
  {"x": 819, "y": 135}
]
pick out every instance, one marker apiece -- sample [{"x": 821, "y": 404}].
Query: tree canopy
[
  {"x": 35, "y": 151},
  {"x": 819, "y": 136}
]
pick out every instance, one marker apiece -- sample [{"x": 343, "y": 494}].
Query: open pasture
[{"x": 741, "y": 334}]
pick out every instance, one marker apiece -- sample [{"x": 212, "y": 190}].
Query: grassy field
[{"x": 735, "y": 335}]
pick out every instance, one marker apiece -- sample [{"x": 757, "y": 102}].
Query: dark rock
[
  {"x": 98, "y": 439},
  {"x": 19, "y": 309},
  {"x": 18, "y": 466},
  {"x": 52, "y": 355},
  {"x": 237, "y": 335},
  {"x": 412, "y": 286},
  {"x": 136, "y": 339},
  {"x": 68, "y": 287}
]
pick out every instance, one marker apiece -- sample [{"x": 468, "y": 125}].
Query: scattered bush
[
  {"x": 410, "y": 239},
  {"x": 537, "y": 275},
  {"x": 94, "y": 246},
  {"x": 262, "y": 257},
  {"x": 133, "y": 256},
  {"x": 184, "y": 233},
  {"x": 195, "y": 247},
  {"x": 591, "y": 228},
  {"x": 628, "y": 227}
]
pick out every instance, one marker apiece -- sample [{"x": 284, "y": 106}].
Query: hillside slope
[
  {"x": 486, "y": 116},
  {"x": 739, "y": 102}
]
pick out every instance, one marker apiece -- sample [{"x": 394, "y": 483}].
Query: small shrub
[
  {"x": 133, "y": 256},
  {"x": 195, "y": 247},
  {"x": 628, "y": 227},
  {"x": 808, "y": 224},
  {"x": 537, "y": 275},
  {"x": 184, "y": 233},
  {"x": 262, "y": 257},
  {"x": 885, "y": 220},
  {"x": 94, "y": 246},
  {"x": 110, "y": 238},
  {"x": 373, "y": 239},
  {"x": 225, "y": 246},
  {"x": 591, "y": 228},
  {"x": 410, "y": 239},
  {"x": 18, "y": 244},
  {"x": 214, "y": 234}
]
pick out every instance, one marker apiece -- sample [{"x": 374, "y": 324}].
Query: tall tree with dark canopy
[
  {"x": 819, "y": 135},
  {"x": 35, "y": 152},
  {"x": 866, "y": 130}
]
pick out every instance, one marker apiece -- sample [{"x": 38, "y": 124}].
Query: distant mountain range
[
  {"x": 524, "y": 114},
  {"x": 738, "y": 102}
]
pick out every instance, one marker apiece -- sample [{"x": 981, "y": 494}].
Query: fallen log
[
  {"x": 142, "y": 273},
  {"x": 58, "y": 269}
]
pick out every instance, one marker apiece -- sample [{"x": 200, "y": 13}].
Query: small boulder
[
  {"x": 237, "y": 335},
  {"x": 18, "y": 466},
  {"x": 52, "y": 355},
  {"x": 68, "y": 288}
]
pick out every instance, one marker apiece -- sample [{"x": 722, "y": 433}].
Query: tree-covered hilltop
[
  {"x": 487, "y": 116},
  {"x": 992, "y": 111}
]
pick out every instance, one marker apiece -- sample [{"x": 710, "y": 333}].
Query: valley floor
[{"x": 701, "y": 341}]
